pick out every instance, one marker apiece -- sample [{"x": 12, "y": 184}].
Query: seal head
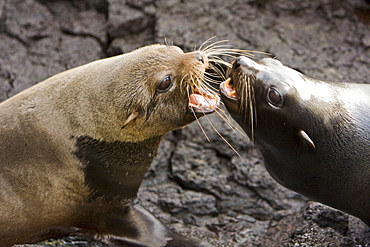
[{"x": 314, "y": 135}]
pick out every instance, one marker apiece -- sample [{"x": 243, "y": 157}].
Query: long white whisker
[
  {"x": 226, "y": 118},
  {"x": 204, "y": 82},
  {"x": 223, "y": 138},
  {"x": 205, "y": 42},
  {"x": 210, "y": 46},
  {"x": 201, "y": 127}
]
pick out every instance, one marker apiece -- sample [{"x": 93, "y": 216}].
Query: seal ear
[
  {"x": 306, "y": 139},
  {"x": 132, "y": 116}
]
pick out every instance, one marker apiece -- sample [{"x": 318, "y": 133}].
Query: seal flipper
[{"x": 149, "y": 232}]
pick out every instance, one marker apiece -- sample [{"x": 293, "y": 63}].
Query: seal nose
[
  {"x": 199, "y": 56},
  {"x": 238, "y": 62}
]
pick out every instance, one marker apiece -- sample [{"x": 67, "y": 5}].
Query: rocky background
[{"x": 200, "y": 188}]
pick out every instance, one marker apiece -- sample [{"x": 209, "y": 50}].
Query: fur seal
[
  {"x": 314, "y": 135},
  {"x": 75, "y": 147}
]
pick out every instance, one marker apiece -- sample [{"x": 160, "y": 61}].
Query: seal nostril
[
  {"x": 237, "y": 63},
  {"x": 242, "y": 61},
  {"x": 199, "y": 56}
]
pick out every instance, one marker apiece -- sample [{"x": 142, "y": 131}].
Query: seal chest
[
  {"x": 314, "y": 135},
  {"x": 75, "y": 147}
]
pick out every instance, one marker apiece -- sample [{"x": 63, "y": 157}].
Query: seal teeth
[
  {"x": 233, "y": 94},
  {"x": 229, "y": 89},
  {"x": 203, "y": 102}
]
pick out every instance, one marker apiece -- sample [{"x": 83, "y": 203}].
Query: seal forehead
[
  {"x": 273, "y": 70},
  {"x": 156, "y": 53},
  {"x": 166, "y": 50},
  {"x": 175, "y": 48},
  {"x": 267, "y": 70}
]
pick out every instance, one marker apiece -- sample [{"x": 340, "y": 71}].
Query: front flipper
[{"x": 142, "y": 229}]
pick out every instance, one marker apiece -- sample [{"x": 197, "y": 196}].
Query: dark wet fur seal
[
  {"x": 314, "y": 135},
  {"x": 75, "y": 147}
]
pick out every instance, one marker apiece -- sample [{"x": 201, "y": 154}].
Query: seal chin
[{"x": 202, "y": 102}]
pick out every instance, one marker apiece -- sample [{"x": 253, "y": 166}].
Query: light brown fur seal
[
  {"x": 314, "y": 135},
  {"x": 75, "y": 147}
]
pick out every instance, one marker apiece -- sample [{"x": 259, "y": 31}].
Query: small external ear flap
[
  {"x": 303, "y": 135},
  {"x": 132, "y": 116}
]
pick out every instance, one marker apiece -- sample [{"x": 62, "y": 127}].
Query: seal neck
[{"x": 115, "y": 170}]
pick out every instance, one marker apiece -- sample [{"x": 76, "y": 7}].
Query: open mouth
[
  {"x": 203, "y": 102},
  {"x": 228, "y": 90}
]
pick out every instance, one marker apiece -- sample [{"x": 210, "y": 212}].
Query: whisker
[
  {"x": 247, "y": 95},
  {"x": 224, "y": 116},
  {"x": 212, "y": 45},
  {"x": 218, "y": 72},
  {"x": 209, "y": 77},
  {"x": 197, "y": 119},
  {"x": 221, "y": 112},
  {"x": 223, "y": 138},
  {"x": 205, "y": 42},
  {"x": 201, "y": 127},
  {"x": 209, "y": 81},
  {"x": 205, "y": 82},
  {"x": 253, "y": 111}
]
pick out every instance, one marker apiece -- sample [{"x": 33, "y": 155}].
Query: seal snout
[
  {"x": 238, "y": 62},
  {"x": 244, "y": 62},
  {"x": 228, "y": 87},
  {"x": 247, "y": 65},
  {"x": 200, "y": 56}
]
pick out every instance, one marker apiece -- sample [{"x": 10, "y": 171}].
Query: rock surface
[{"x": 200, "y": 188}]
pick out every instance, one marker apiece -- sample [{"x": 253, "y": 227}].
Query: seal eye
[
  {"x": 274, "y": 97},
  {"x": 165, "y": 84}
]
